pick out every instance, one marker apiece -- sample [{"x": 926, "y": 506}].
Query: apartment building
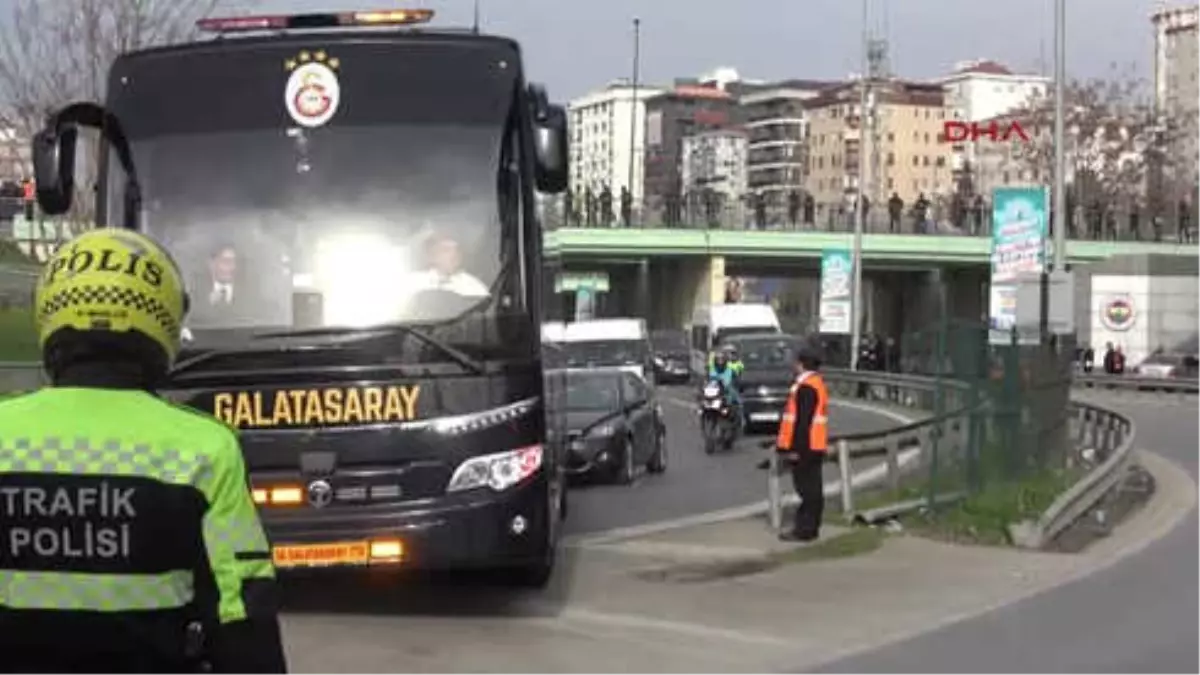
[
  {"x": 777, "y": 132},
  {"x": 600, "y": 125},
  {"x": 907, "y": 149},
  {"x": 671, "y": 116},
  {"x": 1177, "y": 92},
  {"x": 984, "y": 89}
]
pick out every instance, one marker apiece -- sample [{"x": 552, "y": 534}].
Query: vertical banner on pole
[
  {"x": 1019, "y": 217},
  {"x": 837, "y": 271}
]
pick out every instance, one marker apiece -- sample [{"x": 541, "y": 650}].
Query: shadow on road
[{"x": 434, "y": 594}]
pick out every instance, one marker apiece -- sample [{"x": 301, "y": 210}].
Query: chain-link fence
[{"x": 1004, "y": 408}]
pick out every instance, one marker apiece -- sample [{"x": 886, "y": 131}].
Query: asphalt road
[
  {"x": 694, "y": 482},
  {"x": 1139, "y": 616}
]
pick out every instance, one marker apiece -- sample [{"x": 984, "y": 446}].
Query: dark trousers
[{"x": 809, "y": 482}]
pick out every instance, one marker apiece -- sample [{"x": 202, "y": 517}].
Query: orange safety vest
[{"x": 818, "y": 431}]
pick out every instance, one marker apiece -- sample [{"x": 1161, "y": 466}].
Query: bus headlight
[{"x": 498, "y": 471}]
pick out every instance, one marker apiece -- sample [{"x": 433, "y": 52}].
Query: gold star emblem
[{"x": 319, "y": 56}]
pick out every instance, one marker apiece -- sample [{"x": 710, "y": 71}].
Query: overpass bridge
[{"x": 663, "y": 273}]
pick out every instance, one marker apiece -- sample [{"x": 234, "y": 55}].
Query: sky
[{"x": 575, "y": 46}]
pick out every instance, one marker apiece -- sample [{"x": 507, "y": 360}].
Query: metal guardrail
[
  {"x": 1179, "y": 385},
  {"x": 899, "y": 446},
  {"x": 1109, "y": 434}
]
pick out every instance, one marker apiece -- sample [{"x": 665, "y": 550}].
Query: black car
[
  {"x": 672, "y": 356},
  {"x": 614, "y": 426},
  {"x": 768, "y": 362}
]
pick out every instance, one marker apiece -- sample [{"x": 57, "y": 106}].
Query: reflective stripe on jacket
[
  {"x": 818, "y": 431},
  {"x": 128, "y": 517}
]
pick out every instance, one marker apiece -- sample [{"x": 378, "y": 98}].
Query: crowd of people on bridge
[{"x": 957, "y": 214}]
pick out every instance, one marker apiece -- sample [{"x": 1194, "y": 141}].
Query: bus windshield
[{"x": 364, "y": 193}]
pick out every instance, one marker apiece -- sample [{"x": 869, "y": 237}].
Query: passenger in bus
[
  {"x": 445, "y": 271},
  {"x": 224, "y": 298}
]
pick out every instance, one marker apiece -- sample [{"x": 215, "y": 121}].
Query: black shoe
[
  {"x": 764, "y": 465},
  {"x": 798, "y": 536}
]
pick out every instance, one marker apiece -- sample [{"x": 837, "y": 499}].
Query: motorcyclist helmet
[{"x": 719, "y": 361}]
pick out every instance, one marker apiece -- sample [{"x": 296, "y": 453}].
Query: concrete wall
[{"x": 1162, "y": 291}]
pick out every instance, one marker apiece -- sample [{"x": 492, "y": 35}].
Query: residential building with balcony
[
  {"x": 908, "y": 157},
  {"x": 777, "y": 131},
  {"x": 600, "y": 125}
]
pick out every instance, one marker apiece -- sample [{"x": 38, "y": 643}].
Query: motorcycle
[{"x": 719, "y": 423}]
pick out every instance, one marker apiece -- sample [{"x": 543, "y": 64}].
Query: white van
[
  {"x": 714, "y": 323},
  {"x": 597, "y": 343}
]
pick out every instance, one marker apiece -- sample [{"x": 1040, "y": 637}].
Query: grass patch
[
  {"x": 856, "y": 541},
  {"x": 983, "y": 518},
  {"x": 18, "y": 342}
]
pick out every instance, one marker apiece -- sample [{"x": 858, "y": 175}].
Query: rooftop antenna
[{"x": 475, "y": 21}]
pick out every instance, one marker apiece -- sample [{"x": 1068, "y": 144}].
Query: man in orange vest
[{"x": 803, "y": 443}]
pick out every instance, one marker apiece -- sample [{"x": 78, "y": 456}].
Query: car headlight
[
  {"x": 763, "y": 391},
  {"x": 658, "y": 361},
  {"x": 498, "y": 471},
  {"x": 603, "y": 430}
]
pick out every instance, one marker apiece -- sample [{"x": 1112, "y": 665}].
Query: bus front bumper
[{"x": 474, "y": 529}]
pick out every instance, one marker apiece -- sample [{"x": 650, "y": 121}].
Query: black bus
[{"x": 352, "y": 198}]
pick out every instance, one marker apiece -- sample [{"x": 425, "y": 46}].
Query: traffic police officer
[
  {"x": 803, "y": 443},
  {"x": 129, "y": 541}
]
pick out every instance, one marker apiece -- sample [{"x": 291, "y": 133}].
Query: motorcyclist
[
  {"x": 722, "y": 372},
  {"x": 168, "y": 569}
]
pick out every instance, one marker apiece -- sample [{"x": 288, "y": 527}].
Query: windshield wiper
[
  {"x": 209, "y": 354},
  {"x": 458, "y": 356}
]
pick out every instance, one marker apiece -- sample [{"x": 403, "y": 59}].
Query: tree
[
  {"x": 1116, "y": 142},
  {"x": 56, "y": 52}
]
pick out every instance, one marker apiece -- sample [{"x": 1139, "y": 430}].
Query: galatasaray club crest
[{"x": 313, "y": 92}]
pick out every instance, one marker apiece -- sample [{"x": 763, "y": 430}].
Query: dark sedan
[
  {"x": 614, "y": 427},
  {"x": 767, "y": 374},
  {"x": 672, "y": 357}
]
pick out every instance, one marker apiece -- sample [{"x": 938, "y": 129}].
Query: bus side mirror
[
  {"x": 54, "y": 168},
  {"x": 550, "y": 150}
]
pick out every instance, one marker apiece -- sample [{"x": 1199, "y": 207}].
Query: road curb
[{"x": 863, "y": 478}]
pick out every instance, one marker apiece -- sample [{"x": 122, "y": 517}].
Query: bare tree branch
[
  {"x": 56, "y": 52},
  {"x": 1116, "y": 140}
]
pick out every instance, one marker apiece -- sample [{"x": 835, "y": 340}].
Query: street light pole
[
  {"x": 1060, "y": 164},
  {"x": 475, "y": 18},
  {"x": 633, "y": 111},
  {"x": 856, "y": 295}
]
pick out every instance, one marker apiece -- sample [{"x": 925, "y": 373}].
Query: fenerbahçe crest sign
[{"x": 1117, "y": 314}]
